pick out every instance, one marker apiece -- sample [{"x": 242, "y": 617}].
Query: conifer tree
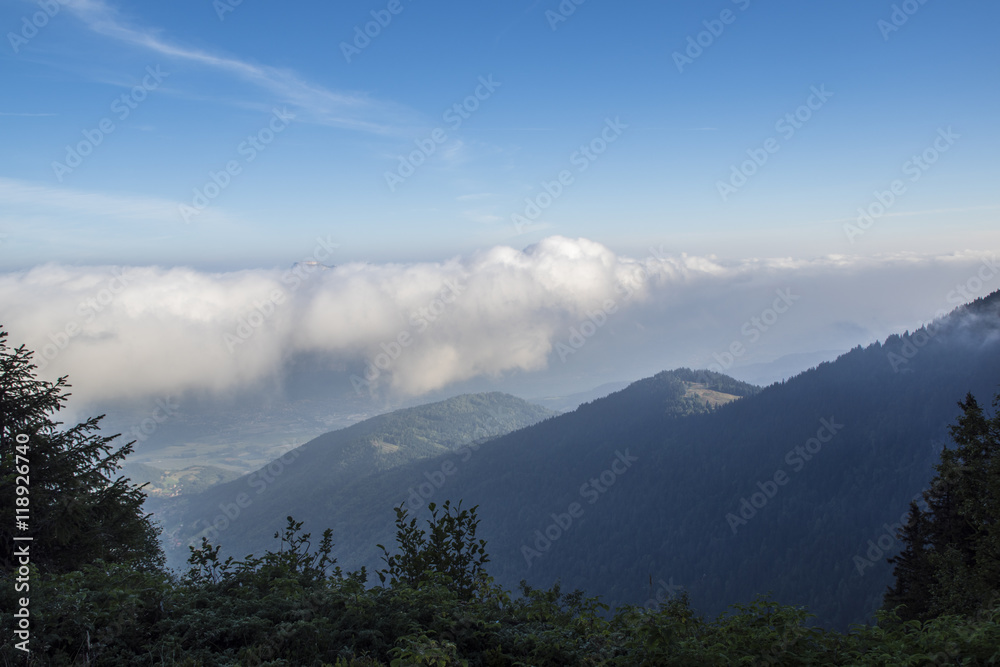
[
  {"x": 78, "y": 509},
  {"x": 951, "y": 561},
  {"x": 912, "y": 567}
]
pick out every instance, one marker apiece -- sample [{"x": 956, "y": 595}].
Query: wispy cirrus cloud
[
  {"x": 19, "y": 196},
  {"x": 317, "y": 104}
]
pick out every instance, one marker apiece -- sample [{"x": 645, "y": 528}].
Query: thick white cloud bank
[{"x": 411, "y": 329}]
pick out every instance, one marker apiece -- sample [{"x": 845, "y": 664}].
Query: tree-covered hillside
[
  {"x": 322, "y": 467},
  {"x": 797, "y": 489},
  {"x": 89, "y": 587},
  {"x": 344, "y": 478}
]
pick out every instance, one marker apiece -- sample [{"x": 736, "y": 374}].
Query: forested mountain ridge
[
  {"x": 790, "y": 490},
  {"x": 674, "y": 393},
  {"x": 877, "y": 426},
  {"x": 327, "y": 463},
  {"x": 319, "y": 478},
  {"x": 106, "y": 599}
]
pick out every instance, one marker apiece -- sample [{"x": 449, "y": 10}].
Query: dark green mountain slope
[
  {"x": 352, "y": 468},
  {"x": 324, "y": 465},
  {"x": 795, "y": 490}
]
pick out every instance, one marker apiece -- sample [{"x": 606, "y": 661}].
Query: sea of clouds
[{"x": 410, "y": 329}]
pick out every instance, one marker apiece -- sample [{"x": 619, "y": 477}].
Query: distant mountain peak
[{"x": 311, "y": 265}]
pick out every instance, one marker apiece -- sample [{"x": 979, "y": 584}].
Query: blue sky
[{"x": 324, "y": 173}]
